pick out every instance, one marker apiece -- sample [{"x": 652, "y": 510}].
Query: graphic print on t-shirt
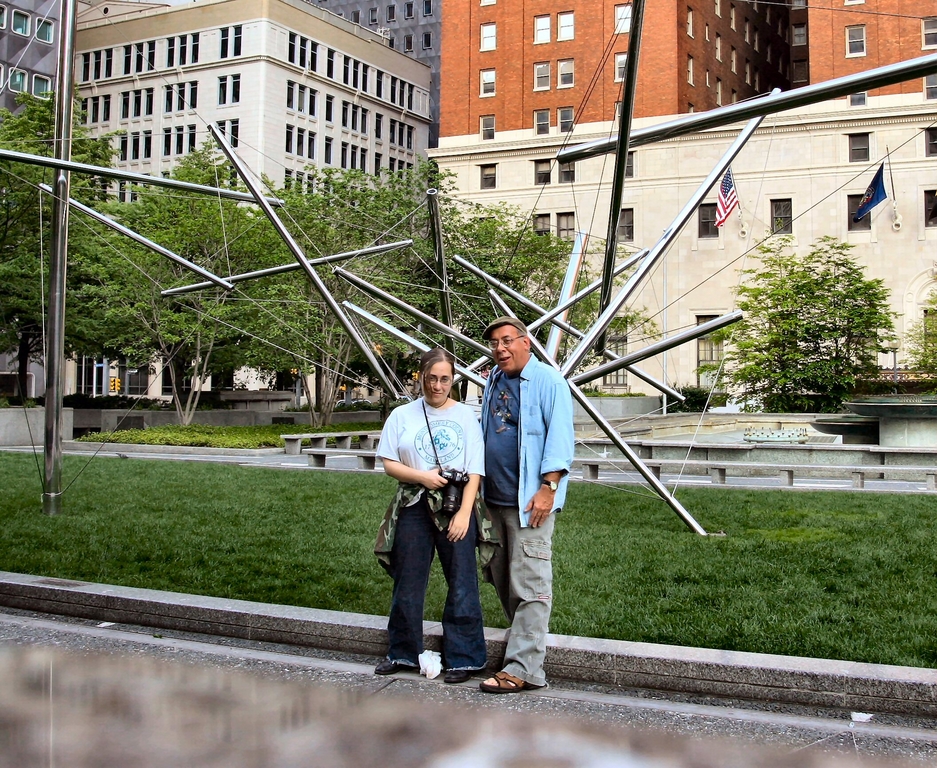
[
  {"x": 449, "y": 439},
  {"x": 504, "y": 410}
]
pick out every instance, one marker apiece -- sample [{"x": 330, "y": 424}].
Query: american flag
[{"x": 727, "y": 199}]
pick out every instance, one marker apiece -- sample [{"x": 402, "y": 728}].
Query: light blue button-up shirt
[{"x": 545, "y": 431}]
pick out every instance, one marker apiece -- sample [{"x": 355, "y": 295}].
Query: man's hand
[{"x": 540, "y": 506}]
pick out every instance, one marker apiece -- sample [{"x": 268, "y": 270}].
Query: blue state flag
[{"x": 873, "y": 195}]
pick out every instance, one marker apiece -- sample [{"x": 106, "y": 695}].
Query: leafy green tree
[
  {"x": 813, "y": 326},
  {"x": 194, "y": 334},
  {"x": 921, "y": 339},
  {"x": 25, "y": 231}
]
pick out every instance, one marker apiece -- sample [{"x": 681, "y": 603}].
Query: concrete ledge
[
  {"x": 70, "y": 446},
  {"x": 790, "y": 679}
]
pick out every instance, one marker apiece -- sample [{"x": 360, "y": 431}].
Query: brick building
[
  {"x": 833, "y": 38},
  {"x": 545, "y": 65}
]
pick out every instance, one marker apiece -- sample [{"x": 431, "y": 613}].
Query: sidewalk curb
[{"x": 704, "y": 671}]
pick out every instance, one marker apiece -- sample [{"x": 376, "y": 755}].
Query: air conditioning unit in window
[{"x": 383, "y": 32}]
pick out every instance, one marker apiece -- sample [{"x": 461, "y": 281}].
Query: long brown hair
[{"x": 429, "y": 359}]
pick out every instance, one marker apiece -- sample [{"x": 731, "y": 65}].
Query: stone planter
[
  {"x": 617, "y": 408},
  {"x": 26, "y": 426}
]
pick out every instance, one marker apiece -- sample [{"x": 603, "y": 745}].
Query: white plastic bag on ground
[{"x": 430, "y": 664}]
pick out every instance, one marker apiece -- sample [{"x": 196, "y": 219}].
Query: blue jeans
[{"x": 415, "y": 541}]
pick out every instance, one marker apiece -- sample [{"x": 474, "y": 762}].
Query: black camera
[{"x": 452, "y": 491}]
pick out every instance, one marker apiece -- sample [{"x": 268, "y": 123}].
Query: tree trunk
[{"x": 23, "y": 353}]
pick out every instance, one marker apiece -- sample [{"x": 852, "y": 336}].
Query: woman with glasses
[{"x": 422, "y": 444}]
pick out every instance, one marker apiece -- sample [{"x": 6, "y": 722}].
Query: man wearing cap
[{"x": 527, "y": 422}]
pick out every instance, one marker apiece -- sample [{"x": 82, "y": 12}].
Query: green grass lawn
[
  {"x": 837, "y": 575},
  {"x": 205, "y": 436}
]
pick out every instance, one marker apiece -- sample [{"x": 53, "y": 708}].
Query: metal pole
[
  {"x": 602, "y": 423},
  {"x": 135, "y": 178},
  {"x": 407, "y": 339},
  {"x": 442, "y": 280},
  {"x": 55, "y": 351},
  {"x": 569, "y": 284},
  {"x": 765, "y": 105},
  {"x": 621, "y": 158},
  {"x": 657, "y": 252},
  {"x": 297, "y": 252},
  {"x": 557, "y": 323},
  {"x": 372, "y": 250},
  {"x": 212, "y": 278},
  {"x": 365, "y": 286},
  {"x": 657, "y": 347}
]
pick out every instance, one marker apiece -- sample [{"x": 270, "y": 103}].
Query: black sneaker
[
  {"x": 457, "y": 675},
  {"x": 387, "y": 667}
]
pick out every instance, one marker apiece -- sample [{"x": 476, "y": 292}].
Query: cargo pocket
[{"x": 538, "y": 567}]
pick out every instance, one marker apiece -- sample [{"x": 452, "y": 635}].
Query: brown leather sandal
[{"x": 505, "y": 683}]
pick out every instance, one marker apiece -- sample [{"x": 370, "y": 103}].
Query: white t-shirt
[{"x": 456, "y": 433}]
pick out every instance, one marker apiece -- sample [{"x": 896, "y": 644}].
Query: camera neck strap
[{"x": 429, "y": 429}]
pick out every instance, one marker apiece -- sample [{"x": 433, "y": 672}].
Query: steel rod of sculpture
[
  {"x": 422, "y": 317},
  {"x": 292, "y": 267},
  {"x": 300, "y": 256},
  {"x": 573, "y": 269},
  {"x": 55, "y": 335},
  {"x": 108, "y": 222},
  {"x": 561, "y": 324},
  {"x": 442, "y": 279},
  {"x": 659, "y": 488},
  {"x": 657, "y": 347},
  {"x": 763, "y": 105},
  {"x": 621, "y": 157},
  {"x": 406, "y": 338},
  {"x": 136, "y": 178},
  {"x": 660, "y": 248}
]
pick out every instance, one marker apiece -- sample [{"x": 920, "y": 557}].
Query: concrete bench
[
  {"x": 717, "y": 470},
  {"x": 367, "y": 459},
  {"x": 294, "y": 442}
]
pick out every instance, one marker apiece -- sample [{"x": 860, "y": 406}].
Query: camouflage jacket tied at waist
[{"x": 406, "y": 492}]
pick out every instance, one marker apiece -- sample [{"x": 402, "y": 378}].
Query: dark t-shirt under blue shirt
[{"x": 502, "y": 461}]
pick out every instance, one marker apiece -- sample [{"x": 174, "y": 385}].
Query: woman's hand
[
  {"x": 459, "y": 525},
  {"x": 432, "y": 479}
]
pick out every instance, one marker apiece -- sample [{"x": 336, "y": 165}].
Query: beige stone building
[{"x": 803, "y": 173}]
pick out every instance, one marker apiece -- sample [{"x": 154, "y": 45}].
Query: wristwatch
[{"x": 553, "y": 485}]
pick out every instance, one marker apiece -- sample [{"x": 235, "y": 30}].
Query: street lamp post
[{"x": 893, "y": 346}]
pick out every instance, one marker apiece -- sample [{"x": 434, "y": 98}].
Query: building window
[
  {"x": 799, "y": 34},
  {"x": 930, "y": 208},
  {"x": 488, "y": 176},
  {"x": 732, "y": 16},
  {"x": 328, "y": 150},
  {"x": 489, "y": 35},
  {"x": 565, "y": 26},
  {"x": 44, "y": 31},
  {"x": 855, "y": 41},
  {"x": 427, "y": 7},
  {"x": 708, "y": 353},
  {"x": 542, "y": 121},
  {"x": 689, "y": 22},
  {"x": 329, "y": 108},
  {"x": 734, "y": 60},
  {"x": 427, "y": 40},
  {"x": 621, "y": 64},
  {"x": 929, "y": 32},
  {"x": 372, "y": 16},
  {"x": 622, "y": 19},
  {"x": 542, "y": 76},
  {"x": 626, "y": 225},
  {"x": 391, "y": 14},
  {"x": 718, "y": 47},
  {"x": 629, "y": 166},
  {"x": 566, "y": 226},
  {"x": 487, "y": 77},
  {"x": 930, "y": 87},
  {"x": 565, "y": 75},
  {"x": 689, "y": 69},
  {"x": 407, "y": 44},
  {"x": 718, "y": 92},
  {"x": 541, "y": 29},
  {"x": 541, "y": 223},
  {"x": 408, "y": 10},
  {"x": 3, "y": 17},
  {"x": 930, "y": 142},
  {"x": 852, "y": 205},
  {"x": 229, "y": 90},
  {"x": 542, "y": 172},
  {"x": 20, "y": 23},
  {"x": 564, "y": 118},
  {"x": 487, "y": 126},
  {"x": 707, "y": 221},
  {"x": 567, "y": 173},
  {"x": 857, "y": 99},
  {"x": 718, "y": 7},
  {"x": 17, "y": 82},
  {"x": 798, "y": 3},
  {"x": 799, "y": 73},
  {"x": 782, "y": 219},
  {"x": 859, "y": 147},
  {"x": 617, "y": 345},
  {"x": 42, "y": 86}
]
